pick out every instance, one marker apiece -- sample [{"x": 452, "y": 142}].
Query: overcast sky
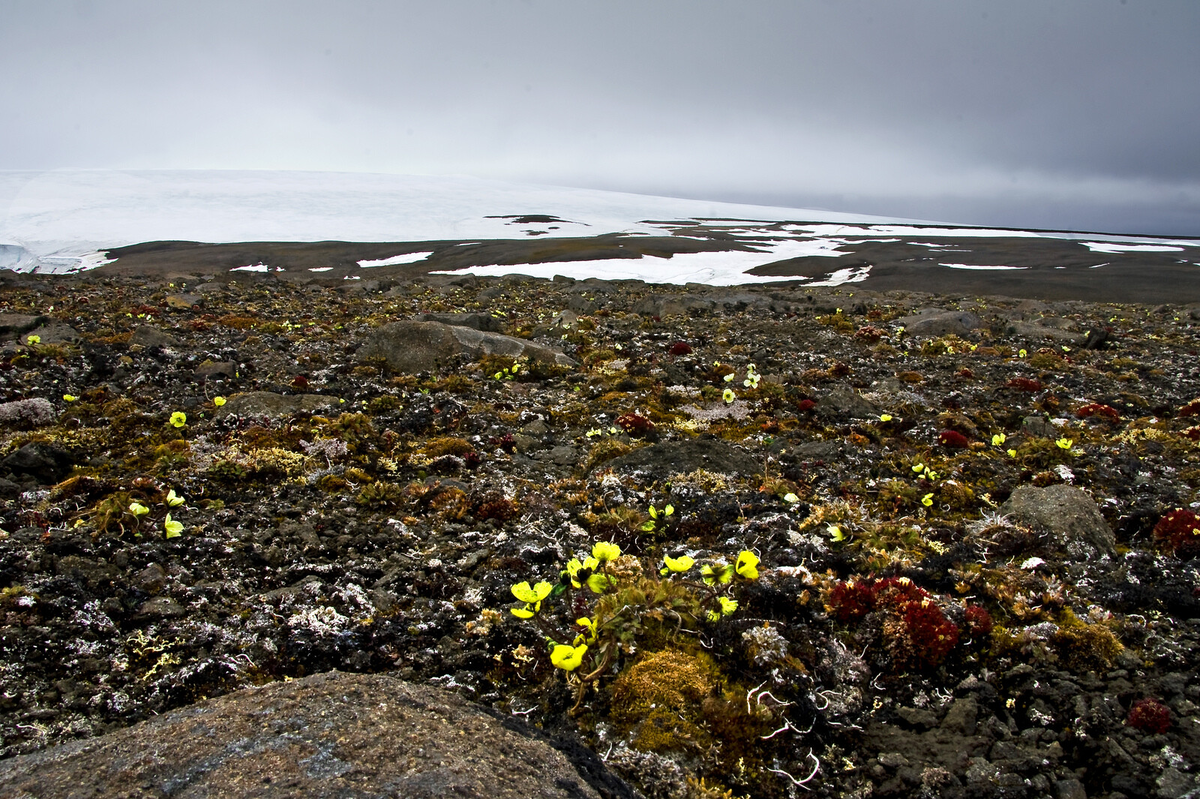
[{"x": 1079, "y": 114}]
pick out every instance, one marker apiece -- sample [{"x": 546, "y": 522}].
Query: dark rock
[
  {"x": 1067, "y": 515},
  {"x": 18, "y": 323},
  {"x": 672, "y": 457},
  {"x": 55, "y": 333},
  {"x": 160, "y": 607},
  {"x": 45, "y": 463},
  {"x": 475, "y": 321},
  {"x": 412, "y": 347},
  {"x": 960, "y": 718},
  {"x": 212, "y": 370},
  {"x": 917, "y": 717},
  {"x": 332, "y": 734},
  {"x": 940, "y": 323},
  {"x": 843, "y": 402},
  {"x": 266, "y": 403},
  {"x": 148, "y": 336},
  {"x": 183, "y": 302}
]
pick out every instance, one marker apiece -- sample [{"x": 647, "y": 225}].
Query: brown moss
[{"x": 447, "y": 445}]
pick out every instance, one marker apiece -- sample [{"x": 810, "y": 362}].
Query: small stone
[{"x": 960, "y": 718}]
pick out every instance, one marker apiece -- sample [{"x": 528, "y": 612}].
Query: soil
[{"x": 905, "y": 632}]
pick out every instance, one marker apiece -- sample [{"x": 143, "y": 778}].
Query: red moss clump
[
  {"x": 805, "y": 405},
  {"x": 979, "y": 621},
  {"x": 966, "y": 374},
  {"x": 1149, "y": 715},
  {"x": 635, "y": 424},
  {"x": 1191, "y": 409},
  {"x": 930, "y": 633},
  {"x": 680, "y": 348},
  {"x": 952, "y": 439},
  {"x": 1179, "y": 533},
  {"x": 851, "y": 601},
  {"x": 869, "y": 334},
  {"x": 1192, "y": 433},
  {"x": 1096, "y": 409},
  {"x": 1025, "y": 384}
]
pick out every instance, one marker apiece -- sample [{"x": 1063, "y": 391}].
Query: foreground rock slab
[
  {"x": 333, "y": 734},
  {"x": 420, "y": 346}
]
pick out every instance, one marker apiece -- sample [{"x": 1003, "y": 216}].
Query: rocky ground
[{"x": 972, "y": 519}]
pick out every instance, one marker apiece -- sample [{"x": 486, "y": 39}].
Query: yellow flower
[
  {"x": 173, "y": 499},
  {"x": 728, "y": 396},
  {"x": 679, "y": 564},
  {"x": 568, "y": 657},
  {"x": 33, "y": 340},
  {"x": 178, "y": 419},
  {"x": 927, "y": 500},
  {"x": 533, "y": 595},
  {"x": 138, "y": 509},
  {"x": 835, "y": 533},
  {"x": 599, "y": 581},
  {"x": 790, "y": 498},
  {"x": 1064, "y": 443},
  {"x": 998, "y": 439},
  {"x": 604, "y": 551},
  {"x": 589, "y": 634},
  {"x": 1012, "y": 453},
  {"x": 727, "y": 606},
  {"x": 747, "y": 565},
  {"x": 174, "y": 529},
  {"x": 70, "y": 397},
  {"x": 729, "y": 377},
  {"x": 218, "y": 401},
  {"x": 1022, "y": 353},
  {"x": 721, "y": 573}
]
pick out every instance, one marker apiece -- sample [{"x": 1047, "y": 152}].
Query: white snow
[
  {"x": 1112, "y": 248},
  {"x": 62, "y": 221},
  {"x": 259, "y": 267},
  {"x": 710, "y": 268},
  {"x": 406, "y": 258},
  {"x": 982, "y": 268}
]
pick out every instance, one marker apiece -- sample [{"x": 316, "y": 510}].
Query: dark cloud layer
[{"x": 1076, "y": 113}]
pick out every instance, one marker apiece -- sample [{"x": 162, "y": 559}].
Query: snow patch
[
  {"x": 406, "y": 258},
  {"x": 979, "y": 267},
  {"x": 1114, "y": 248}
]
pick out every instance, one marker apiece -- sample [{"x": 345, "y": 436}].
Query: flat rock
[
  {"x": 475, "y": 321},
  {"x": 334, "y": 734},
  {"x": 149, "y": 336},
  {"x": 266, "y": 403},
  {"x": 940, "y": 323},
  {"x": 843, "y": 402},
  {"x": 666, "y": 458},
  {"x": 412, "y": 347},
  {"x": 19, "y": 322},
  {"x": 1065, "y": 513}
]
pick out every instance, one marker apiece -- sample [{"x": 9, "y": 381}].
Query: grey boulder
[
  {"x": 333, "y": 734},
  {"x": 411, "y": 347},
  {"x": 1066, "y": 515}
]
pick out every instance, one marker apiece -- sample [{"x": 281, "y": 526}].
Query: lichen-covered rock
[
  {"x": 23, "y": 413},
  {"x": 269, "y": 404},
  {"x": 1066, "y": 514},
  {"x": 413, "y": 347},
  {"x": 935, "y": 322},
  {"x": 333, "y": 734},
  {"x": 674, "y": 457}
]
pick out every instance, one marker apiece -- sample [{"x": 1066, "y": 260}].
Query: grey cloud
[{"x": 1014, "y": 102}]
